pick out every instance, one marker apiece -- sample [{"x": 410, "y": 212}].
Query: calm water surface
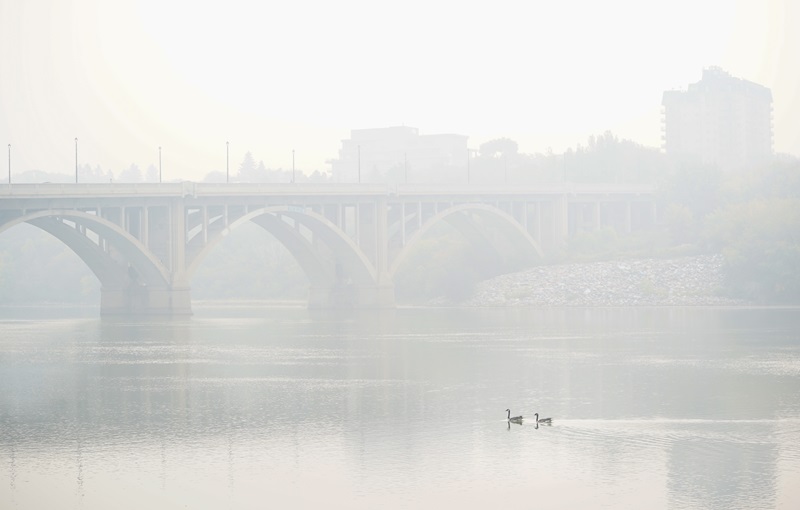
[{"x": 246, "y": 408}]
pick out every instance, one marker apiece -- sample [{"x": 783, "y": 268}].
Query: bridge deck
[{"x": 197, "y": 189}]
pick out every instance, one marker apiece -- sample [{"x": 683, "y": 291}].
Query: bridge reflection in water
[{"x": 145, "y": 241}]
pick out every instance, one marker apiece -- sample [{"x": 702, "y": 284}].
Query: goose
[
  {"x": 515, "y": 419},
  {"x": 543, "y": 421}
]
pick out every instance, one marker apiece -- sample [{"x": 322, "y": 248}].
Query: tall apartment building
[
  {"x": 399, "y": 154},
  {"x": 720, "y": 120}
]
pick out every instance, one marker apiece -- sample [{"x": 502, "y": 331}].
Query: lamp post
[
  {"x": 468, "y": 176},
  {"x": 76, "y": 160},
  {"x": 227, "y": 160},
  {"x": 159, "y": 164},
  {"x": 292, "y": 166}
]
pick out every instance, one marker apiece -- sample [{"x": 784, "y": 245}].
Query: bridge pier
[
  {"x": 144, "y": 300},
  {"x": 351, "y": 296}
]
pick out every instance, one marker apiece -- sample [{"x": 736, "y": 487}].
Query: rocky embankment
[{"x": 651, "y": 282}]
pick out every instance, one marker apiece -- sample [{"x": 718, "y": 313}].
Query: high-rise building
[
  {"x": 720, "y": 120},
  {"x": 399, "y": 154}
]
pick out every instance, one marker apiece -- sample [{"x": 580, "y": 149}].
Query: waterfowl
[
  {"x": 515, "y": 419},
  {"x": 543, "y": 421}
]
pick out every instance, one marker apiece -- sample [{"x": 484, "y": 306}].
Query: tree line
[{"x": 604, "y": 158}]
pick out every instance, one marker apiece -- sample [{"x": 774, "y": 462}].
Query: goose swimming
[
  {"x": 515, "y": 419},
  {"x": 543, "y": 421}
]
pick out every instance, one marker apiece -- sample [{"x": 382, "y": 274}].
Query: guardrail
[{"x": 200, "y": 189}]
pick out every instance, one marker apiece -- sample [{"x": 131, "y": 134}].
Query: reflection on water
[{"x": 245, "y": 408}]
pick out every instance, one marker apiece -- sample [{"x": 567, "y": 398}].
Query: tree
[
  {"x": 761, "y": 245},
  {"x": 132, "y": 174},
  {"x": 87, "y": 174},
  {"x": 499, "y": 147},
  {"x": 698, "y": 187},
  {"x": 152, "y": 174},
  {"x": 318, "y": 176},
  {"x": 248, "y": 169},
  {"x": 261, "y": 173},
  {"x": 680, "y": 224},
  {"x": 607, "y": 158},
  {"x": 757, "y": 228}
]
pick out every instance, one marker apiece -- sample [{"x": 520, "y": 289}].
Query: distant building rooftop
[{"x": 720, "y": 120}]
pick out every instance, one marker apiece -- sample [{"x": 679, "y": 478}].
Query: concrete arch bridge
[{"x": 145, "y": 241}]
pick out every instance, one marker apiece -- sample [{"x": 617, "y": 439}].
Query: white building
[
  {"x": 400, "y": 154},
  {"x": 720, "y": 120}
]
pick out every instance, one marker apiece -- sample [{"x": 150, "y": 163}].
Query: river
[{"x": 243, "y": 407}]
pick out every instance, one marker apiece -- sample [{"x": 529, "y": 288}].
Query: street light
[
  {"x": 76, "y": 160},
  {"x": 468, "y": 165},
  {"x": 227, "y": 159}
]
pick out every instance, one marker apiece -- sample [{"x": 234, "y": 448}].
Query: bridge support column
[
  {"x": 352, "y": 296},
  {"x": 143, "y": 300},
  {"x": 561, "y": 220}
]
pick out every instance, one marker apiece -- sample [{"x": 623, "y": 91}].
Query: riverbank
[{"x": 684, "y": 281}]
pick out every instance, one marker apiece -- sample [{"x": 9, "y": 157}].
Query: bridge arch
[
  {"x": 463, "y": 218},
  {"x": 349, "y": 262},
  {"x": 111, "y": 271}
]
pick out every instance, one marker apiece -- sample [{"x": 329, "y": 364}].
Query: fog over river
[{"x": 246, "y": 407}]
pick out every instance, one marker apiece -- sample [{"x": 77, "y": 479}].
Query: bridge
[{"x": 145, "y": 241}]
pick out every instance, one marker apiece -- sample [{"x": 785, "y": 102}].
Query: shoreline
[{"x": 683, "y": 281}]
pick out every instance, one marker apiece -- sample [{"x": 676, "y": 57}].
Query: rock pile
[{"x": 651, "y": 282}]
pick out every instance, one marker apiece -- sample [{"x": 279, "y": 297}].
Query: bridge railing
[
  {"x": 89, "y": 189},
  {"x": 185, "y": 188},
  {"x": 554, "y": 188},
  {"x": 194, "y": 189}
]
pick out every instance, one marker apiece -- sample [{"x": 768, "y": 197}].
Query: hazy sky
[{"x": 125, "y": 76}]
